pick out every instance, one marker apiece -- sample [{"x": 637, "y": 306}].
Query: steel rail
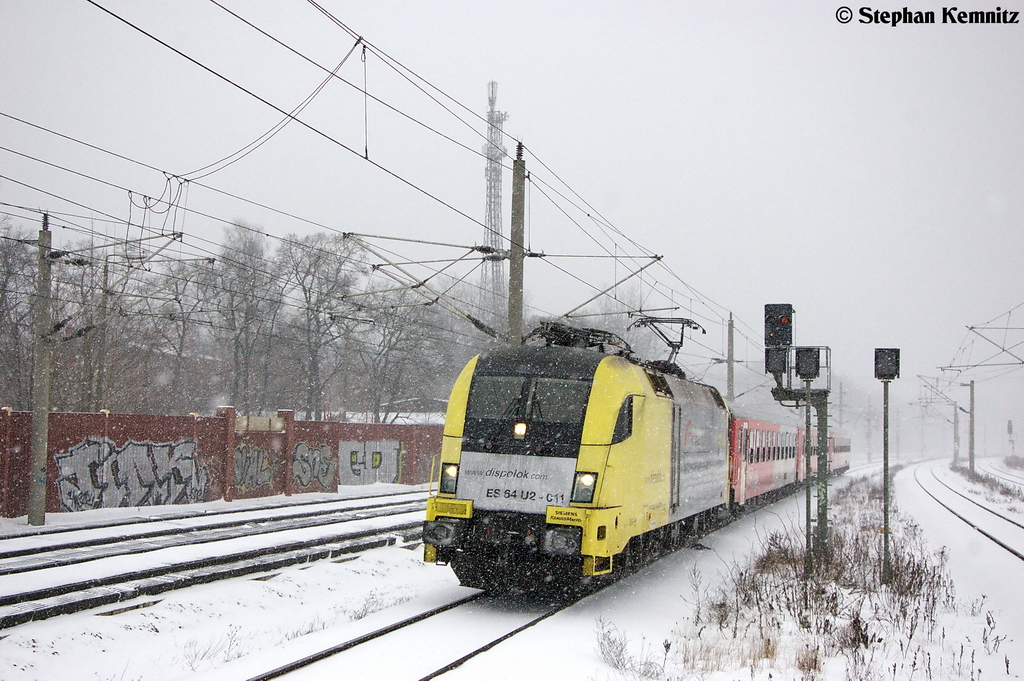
[
  {"x": 978, "y": 504},
  {"x": 376, "y": 634},
  {"x": 359, "y": 640},
  {"x": 69, "y": 553},
  {"x": 1008, "y": 476},
  {"x": 985, "y": 534},
  {"x": 487, "y": 646},
  {"x": 185, "y": 515},
  {"x": 68, "y": 598}
]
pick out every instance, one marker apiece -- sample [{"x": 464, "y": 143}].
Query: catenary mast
[{"x": 492, "y": 282}]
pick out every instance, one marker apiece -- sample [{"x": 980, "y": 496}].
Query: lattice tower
[{"x": 492, "y": 278}]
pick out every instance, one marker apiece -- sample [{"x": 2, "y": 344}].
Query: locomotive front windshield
[
  {"x": 552, "y": 409},
  {"x": 520, "y": 398}
]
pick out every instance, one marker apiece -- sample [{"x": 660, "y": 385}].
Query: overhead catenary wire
[
  {"x": 986, "y": 369},
  {"x": 230, "y": 159},
  {"x": 124, "y": 189},
  {"x": 281, "y": 111},
  {"x": 597, "y": 221},
  {"x": 295, "y": 306},
  {"x": 242, "y": 198}
]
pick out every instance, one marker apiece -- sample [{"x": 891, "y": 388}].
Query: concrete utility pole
[
  {"x": 970, "y": 443},
  {"x": 956, "y": 434},
  {"x": 517, "y": 252},
  {"x": 887, "y": 369},
  {"x": 42, "y": 310},
  {"x": 730, "y": 383},
  {"x": 101, "y": 352}
]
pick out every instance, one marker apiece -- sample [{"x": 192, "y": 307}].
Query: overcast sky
[{"x": 870, "y": 175}]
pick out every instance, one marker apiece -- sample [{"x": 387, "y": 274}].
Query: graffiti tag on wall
[
  {"x": 364, "y": 463},
  {"x": 95, "y": 473},
  {"x": 252, "y": 468},
  {"x": 314, "y": 466}
]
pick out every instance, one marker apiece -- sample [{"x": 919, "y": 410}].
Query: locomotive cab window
[
  {"x": 557, "y": 401},
  {"x": 495, "y": 397},
  {"x": 624, "y": 421},
  {"x": 525, "y": 415},
  {"x": 552, "y": 400}
]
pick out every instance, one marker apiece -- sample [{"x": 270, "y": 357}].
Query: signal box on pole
[
  {"x": 778, "y": 325},
  {"x": 808, "y": 363},
  {"x": 887, "y": 363}
]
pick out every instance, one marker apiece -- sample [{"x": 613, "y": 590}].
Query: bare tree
[
  {"x": 17, "y": 276},
  {"x": 249, "y": 299},
  {"x": 321, "y": 271},
  {"x": 411, "y": 354},
  {"x": 390, "y": 354},
  {"x": 179, "y": 305},
  {"x": 262, "y": 328}
]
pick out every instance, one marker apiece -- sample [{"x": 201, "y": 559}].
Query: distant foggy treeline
[{"x": 261, "y": 324}]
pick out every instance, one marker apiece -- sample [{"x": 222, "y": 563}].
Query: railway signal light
[
  {"x": 778, "y": 325},
  {"x": 887, "y": 363},
  {"x": 808, "y": 363},
  {"x": 776, "y": 360}
]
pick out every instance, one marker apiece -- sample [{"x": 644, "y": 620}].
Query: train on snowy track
[{"x": 571, "y": 461}]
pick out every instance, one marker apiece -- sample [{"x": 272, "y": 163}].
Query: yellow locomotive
[{"x": 569, "y": 460}]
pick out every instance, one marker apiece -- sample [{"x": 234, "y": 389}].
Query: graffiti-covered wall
[
  {"x": 364, "y": 463},
  {"x": 96, "y": 473},
  {"x": 314, "y": 468},
  {"x": 111, "y": 460}
]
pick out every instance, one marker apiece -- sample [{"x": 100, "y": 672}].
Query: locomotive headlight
[
  {"x": 583, "y": 487},
  {"x": 519, "y": 430},
  {"x": 449, "y": 477}
]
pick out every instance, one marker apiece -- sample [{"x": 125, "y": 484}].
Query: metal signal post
[
  {"x": 783, "y": 361},
  {"x": 887, "y": 368}
]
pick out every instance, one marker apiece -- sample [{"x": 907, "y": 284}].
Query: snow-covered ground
[{"x": 232, "y": 629}]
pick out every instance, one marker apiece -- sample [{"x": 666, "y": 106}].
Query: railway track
[
  {"x": 481, "y": 621},
  {"x": 65, "y": 547},
  {"x": 989, "y": 467},
  {"x": 61, "y": 571},
  {"x": 473, "y": 625},
  {"x": 1006, "y": 533}
]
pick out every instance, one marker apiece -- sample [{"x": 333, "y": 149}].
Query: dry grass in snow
[{"x": 766, "y": 621}]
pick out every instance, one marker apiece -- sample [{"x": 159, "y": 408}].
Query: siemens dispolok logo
[
  {"x": 506, "y": 473},
  {"x": 949, "y": 15}
]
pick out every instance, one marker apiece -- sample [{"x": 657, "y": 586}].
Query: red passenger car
[{"x": 766, "y": 447}]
